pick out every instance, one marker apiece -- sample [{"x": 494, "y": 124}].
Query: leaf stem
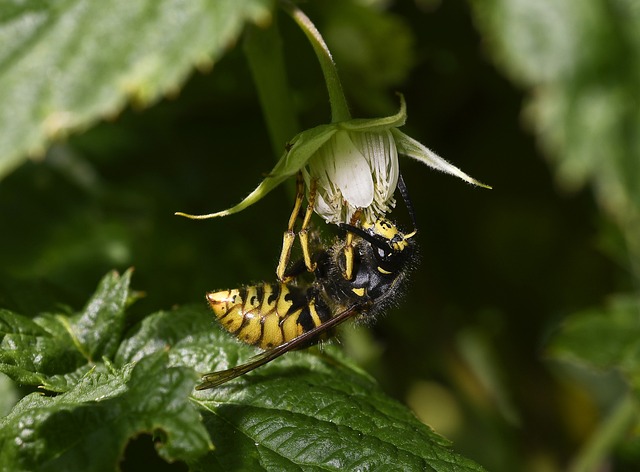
[
  {"x": 263, "y": 50},
  {"x": 608, "y": 434},
  {"x": 339, "y": 107}
]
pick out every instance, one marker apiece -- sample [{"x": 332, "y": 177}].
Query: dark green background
[{"x": 499, "y": 267}]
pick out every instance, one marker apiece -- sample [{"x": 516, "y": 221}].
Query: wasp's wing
[{"x": 215, "y": 379}]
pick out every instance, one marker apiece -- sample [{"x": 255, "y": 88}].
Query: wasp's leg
[
  {"x": 348, "y": 257},
  {"x": 289, "y": 235},
  {"x": 304, "y": 231},
  {"x": 348, "y": 249}
]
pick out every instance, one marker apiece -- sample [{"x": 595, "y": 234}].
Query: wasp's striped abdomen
[{"x": 269, "y": 314}]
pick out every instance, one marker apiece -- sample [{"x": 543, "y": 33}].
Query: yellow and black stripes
[
  {"x": 268, "y": 314},
  {"x": 358, "y": 277}
]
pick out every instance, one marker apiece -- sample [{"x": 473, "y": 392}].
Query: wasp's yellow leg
[
  {"x": 289, "y": 235},
  {"x": 348, "y": 257},
  {"x": 348, "y": 248},
  {"x": 304, "y": 231}
]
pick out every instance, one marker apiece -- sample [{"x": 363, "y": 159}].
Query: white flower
[
  {"x": 354, "y": 164},
  {"x": 354, "y": 170}
]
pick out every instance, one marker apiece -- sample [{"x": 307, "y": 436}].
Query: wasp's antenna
[
  {"x": 364, "y": 235},
  {"x": 405, "y": 196}
]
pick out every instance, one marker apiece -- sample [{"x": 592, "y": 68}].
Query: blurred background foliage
[{"x": 539, "y": 100}]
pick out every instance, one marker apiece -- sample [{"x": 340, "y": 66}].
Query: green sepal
[
  {"x": 301, "y": 148},
  {"x": 378, "y": 124},
  {"x": 304, "y": 145},
  {"x": 409, "y": 147}
]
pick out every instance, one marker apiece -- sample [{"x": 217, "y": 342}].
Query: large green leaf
[
  {"x": 88, "y": 427},
  {"x": 65, "y": 64},
  {"x": 603, "y": 338},
  {"x": 41, "y": 350},
  {"x": 310, "y": 410},
  {"x": 582, "y": 62},
  {"x": 318, "y": 413},
  {"x": 103, "y": 406}
]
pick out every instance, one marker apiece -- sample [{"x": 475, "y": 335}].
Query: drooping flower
[
  {"x": 354, "y": 170},
  {"x": 354, "y": 164}
]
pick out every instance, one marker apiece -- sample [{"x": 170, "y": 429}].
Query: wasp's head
[{"x": 390, "y": 247}]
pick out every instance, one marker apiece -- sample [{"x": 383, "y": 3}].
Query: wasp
[{"x": 359, "y": 277}]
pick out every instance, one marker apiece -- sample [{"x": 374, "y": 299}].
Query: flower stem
[
  {"x": 601, "y": 443},
  {"x": 263, "y": 49},
  {"x": 339, "y": 107}
]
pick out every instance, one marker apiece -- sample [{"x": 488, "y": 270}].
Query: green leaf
[
  {"x": 38, "y": 351},
  {"x": 104, "y": 405},
  {"x": 308, "y": 409},
  {"x": 316, "y": 412},
  {"x": 66, "y": 64},
  {"x": 88, "y": 427},
  {"x": 97, "y": 329},
  {"x": 188, "y": 327},
  {"x": 606, "y": 339},
  {"x": 29, "y": 352},
  {"x": 8, "y": 394},
  {"x": 582, "y": 62}
]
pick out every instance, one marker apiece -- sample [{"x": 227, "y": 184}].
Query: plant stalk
[
  {"x": 263, "y": 49},
  {"x": 339, "y": 107},
  {"x": 593, "y": 453}
]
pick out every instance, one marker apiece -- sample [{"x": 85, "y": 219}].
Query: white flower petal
[
  {"x": 380, "y": 151},
  {"x": 323, "y": 209},
  {"x": 385, "y": 166},
  {"x": 352, "y": 172}
]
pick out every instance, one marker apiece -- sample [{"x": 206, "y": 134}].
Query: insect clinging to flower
[{"x": 283, "y": 316}]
